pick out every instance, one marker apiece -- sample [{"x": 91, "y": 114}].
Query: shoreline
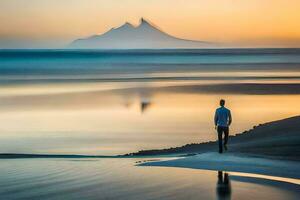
[
  {"x": 270, "y": 149},
  {"x": 239, "y": 163},
  {"x": 27, "y": 156},
  {"x": 278, "y": 140}
]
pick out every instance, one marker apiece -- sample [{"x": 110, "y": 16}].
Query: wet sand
[
  {"x": 122, "y": 179},
  {"x": 236, "y": 163}
]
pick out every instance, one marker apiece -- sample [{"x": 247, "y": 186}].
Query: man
[{"x": 222, "y": 122}]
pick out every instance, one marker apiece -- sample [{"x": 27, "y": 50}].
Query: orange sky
[{"x": 240, "y": 22}]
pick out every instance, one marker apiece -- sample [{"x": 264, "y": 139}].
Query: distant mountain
[{"x": 144, "y": 36}]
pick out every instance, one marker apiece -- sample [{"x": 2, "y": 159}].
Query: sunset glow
[{"x": 234, "y": 22}]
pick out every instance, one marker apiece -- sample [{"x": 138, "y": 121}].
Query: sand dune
[
  {"x": 278, "y": 139},
  {"x": 268, "y": 149}
]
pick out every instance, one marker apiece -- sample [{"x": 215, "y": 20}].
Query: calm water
[
  {"x": 105, "y": 179},
  {"x": 115, "y": 102}
]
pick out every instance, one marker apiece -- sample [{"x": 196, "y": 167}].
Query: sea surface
[
  {"x": 119, "y": 101},
  {"x": 122, "y": 179}
]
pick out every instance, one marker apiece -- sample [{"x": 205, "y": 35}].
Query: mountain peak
[
  {"x": 143, "y": 21},
  {"x": 146, "y": 35},
  {"x": 127, "y": 24}
]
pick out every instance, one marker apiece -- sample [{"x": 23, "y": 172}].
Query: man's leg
[
  {"x": 220, "y": 132},
  {"x": 220, "y": 176},
  {"x": 226, "y": 133}
]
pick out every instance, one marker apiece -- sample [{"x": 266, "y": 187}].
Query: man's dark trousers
[{"x": 221, "y": 130}]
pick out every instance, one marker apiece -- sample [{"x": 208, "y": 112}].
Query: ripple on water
[{"x": 120, "y": 178}]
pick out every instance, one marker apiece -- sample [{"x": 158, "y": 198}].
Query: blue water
[
  {"x": 99, "y": 62},
  {"x": 121, "y": 101},
  {"x": 110, "y": 118},
  {"x": 121, "y": 179}
]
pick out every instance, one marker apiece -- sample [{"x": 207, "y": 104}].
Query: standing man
[{"x": 222, "y": 122}]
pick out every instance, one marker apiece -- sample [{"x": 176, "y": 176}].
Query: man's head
[{"x": 222, "y": 102}]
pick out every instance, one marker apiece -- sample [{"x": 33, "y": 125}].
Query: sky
[{"x": 55, "y": 23}]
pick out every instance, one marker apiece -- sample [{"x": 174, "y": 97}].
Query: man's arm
[
  {"x": 229, "y": 118},
  {"x": 216, "y": 118}
]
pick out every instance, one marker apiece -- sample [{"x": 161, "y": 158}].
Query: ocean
[
  {"x": 121, "y": 179},
  {"x": 111, "y": 102}
]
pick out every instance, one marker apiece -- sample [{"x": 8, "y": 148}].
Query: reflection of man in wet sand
[{"x": 223, "y": 186}]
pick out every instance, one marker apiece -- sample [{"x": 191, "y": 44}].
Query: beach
[
  {"x": 274, "y": 140},
  {"x": 175, "y": 173},
  {"x": 116, "y": 178},
  {"x": 149, "y": 100},
  {"x": 267, "y": 149},
  {"x": 97, "y": 124},
  {"x": 237, "y": 163}
]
